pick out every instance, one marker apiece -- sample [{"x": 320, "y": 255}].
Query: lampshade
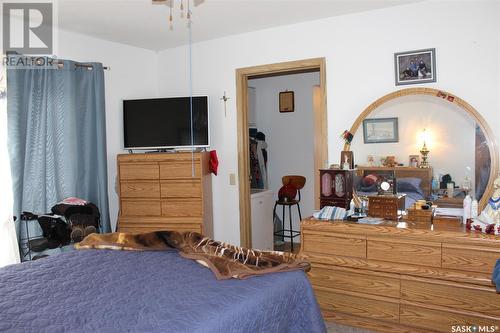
[{"x": 424, "y": 137}]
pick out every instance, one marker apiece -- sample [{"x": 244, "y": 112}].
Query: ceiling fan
[{"x": 172, "y": 3}]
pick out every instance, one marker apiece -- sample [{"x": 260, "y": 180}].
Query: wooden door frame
[{"x": 320, "y": 131}]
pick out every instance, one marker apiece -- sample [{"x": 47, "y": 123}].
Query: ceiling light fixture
[{"x": 184, "y": 7}]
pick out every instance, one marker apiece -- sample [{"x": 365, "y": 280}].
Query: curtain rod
[{"x": 106, "y": 68}]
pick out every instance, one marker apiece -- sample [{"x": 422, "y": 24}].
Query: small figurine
[
  {"x": 489, "y": 220},
  {"x": 371, "y": 160},
  {"x": 346, "y": 165}
]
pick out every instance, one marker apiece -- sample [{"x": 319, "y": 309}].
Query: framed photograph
[
  {"x": 287, "y": 103},
  {"x": 414, "y": 161},
  {"x": 347, "y": 156},
  {"x": 414, "y": 67},
  {"x": 380, "y": 130}
]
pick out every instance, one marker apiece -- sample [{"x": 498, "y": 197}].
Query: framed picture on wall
[
  {"x": 380, "y": 130},
  {"x": 414, "y": 67},
  {"x": 287, "y": 103}
]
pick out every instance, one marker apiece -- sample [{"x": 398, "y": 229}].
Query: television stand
[{"x": 161, "y": 150}]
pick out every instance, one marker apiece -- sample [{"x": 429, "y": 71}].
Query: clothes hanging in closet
[{"x": 258, "y": 161}]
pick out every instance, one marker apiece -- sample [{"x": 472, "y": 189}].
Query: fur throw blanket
[{"x": 226, "y": 261}]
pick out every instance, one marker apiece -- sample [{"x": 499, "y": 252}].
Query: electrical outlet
[{"x": 232, "y": 179}]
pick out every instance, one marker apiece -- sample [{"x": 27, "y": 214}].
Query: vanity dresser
[
  {"x": 402, "y": 277},
  {"x": 407, "y": 276}
]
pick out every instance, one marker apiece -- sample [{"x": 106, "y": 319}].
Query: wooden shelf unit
[
  {"x": 412, "y": 279},
  {"x": 159, "y": 192}
]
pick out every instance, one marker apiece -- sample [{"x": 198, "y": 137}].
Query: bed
[
  {"x": 414, "y": 182},
  {"x": 156, "y": 291}
]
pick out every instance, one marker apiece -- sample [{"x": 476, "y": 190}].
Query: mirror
[{"x": 431, "y": 139}]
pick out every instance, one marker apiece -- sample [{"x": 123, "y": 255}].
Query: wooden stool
[{"x": 298, "y": 182}]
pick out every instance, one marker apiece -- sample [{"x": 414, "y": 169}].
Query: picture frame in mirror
[
  {"x": 414, "y": 161},
  {"x": 380, "y": 130},
  {"x": 347, "y": 159}
]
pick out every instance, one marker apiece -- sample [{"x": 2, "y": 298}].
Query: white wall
[
  {"x": 132, "y": 75},
  {"x": 451, "y": 134},
  {"x": 290, "y": 135},
  {"x": 359, "y": 52}
]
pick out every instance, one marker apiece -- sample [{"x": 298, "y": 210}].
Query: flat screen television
[{"x": 165, "y": 123}]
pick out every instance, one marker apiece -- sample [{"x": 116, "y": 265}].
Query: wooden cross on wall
[{"x": 225, "y": 99}]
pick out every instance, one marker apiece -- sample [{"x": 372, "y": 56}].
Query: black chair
[{"x": 298, "y": 182}]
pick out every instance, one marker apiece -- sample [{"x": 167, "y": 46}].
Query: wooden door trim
[{"x": 320, "y": 131}]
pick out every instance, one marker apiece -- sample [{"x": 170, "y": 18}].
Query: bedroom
[{"x": 357, "y": 41}]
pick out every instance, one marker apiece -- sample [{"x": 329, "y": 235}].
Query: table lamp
[{"x": 424, "y": 151}]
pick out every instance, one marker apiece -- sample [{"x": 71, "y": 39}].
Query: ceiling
[{"x": 139, "y": 23}]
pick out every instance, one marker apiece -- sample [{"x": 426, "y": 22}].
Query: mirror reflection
[{"x": 433, "y": 148}]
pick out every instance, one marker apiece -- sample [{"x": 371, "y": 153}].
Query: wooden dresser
[
  {"x": 407, "y": 279},
  {"x": 159, "y": 192}
]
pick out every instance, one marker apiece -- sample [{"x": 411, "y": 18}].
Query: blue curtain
[{"x": 57, "y": 136}]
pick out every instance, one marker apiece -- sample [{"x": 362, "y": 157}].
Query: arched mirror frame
[{"x": 492, "y": 145}]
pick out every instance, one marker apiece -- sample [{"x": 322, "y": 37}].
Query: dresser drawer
[
  {"x": 406, "y": 252},
  {"x": 181, "y": 207},
  {"x": 181, "y": 188},
  {"x": 180, "y": 169},
  {"x": 140, "y": 208},
  {"x": 482, "y": 300},
  {"x": 358, "y": 306},
  {"x": 377, "y": 200},
  {"x": 357, "y": 281},
  {"x": 376, "y": 212},
  {"x": 390, "y": 213},
  {"x": 441, "y": 321},
  {"x": 136, "y": 189},
  {"x": 139, "y": 171},
  {"x": 470, "y": 258},
  {"x": 336, "y": 244}
]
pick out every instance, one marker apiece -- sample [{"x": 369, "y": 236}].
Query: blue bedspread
[
  {"x": 495, "y": 278},
  {"x": 121, "y": 291}
]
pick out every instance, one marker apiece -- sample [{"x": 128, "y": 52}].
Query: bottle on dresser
[
  {"x": 467, "y": 208},
  {"x": 474, "y": 210}
]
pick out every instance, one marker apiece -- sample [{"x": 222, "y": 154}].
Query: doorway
[{"x": 319, "y": 130}]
